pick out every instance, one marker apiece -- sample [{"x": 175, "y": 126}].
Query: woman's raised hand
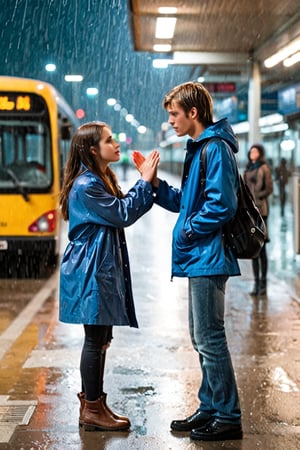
[
  {"x": 146, "y": 166},
  {"x": 138, "y": 158}
]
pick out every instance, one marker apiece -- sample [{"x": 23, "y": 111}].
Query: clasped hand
[{"x": 146, "y": 166}]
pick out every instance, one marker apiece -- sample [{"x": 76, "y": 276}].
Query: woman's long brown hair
[{"x": 86, "y": 136}]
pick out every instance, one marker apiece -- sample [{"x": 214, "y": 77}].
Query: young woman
[
  {"x": 258, "y": 177},
  {"x": 95, "y": 283}
]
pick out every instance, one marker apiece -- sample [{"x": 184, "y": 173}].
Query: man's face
[{"x": 182, "y": 124}]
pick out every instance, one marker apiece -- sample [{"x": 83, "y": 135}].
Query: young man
[{"x": 199, "y": 254}]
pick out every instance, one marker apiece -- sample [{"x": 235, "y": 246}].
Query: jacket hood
[{"x": 223, "y": 130}]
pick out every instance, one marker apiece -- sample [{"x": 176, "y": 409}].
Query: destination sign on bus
[{"x": 21, "y": 103}]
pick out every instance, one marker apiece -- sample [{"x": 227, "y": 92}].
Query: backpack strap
[{"x": 203, "y": 163}]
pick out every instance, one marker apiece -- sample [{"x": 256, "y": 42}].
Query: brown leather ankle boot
[
  {"x": 96, "y": 417},
  {"x": 81, "y": 398},
  {"x": 112, "y": 413}
]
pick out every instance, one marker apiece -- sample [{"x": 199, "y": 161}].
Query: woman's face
[
  {"x": 254, "y": 154},
  {"x": 108, "y": 150}
]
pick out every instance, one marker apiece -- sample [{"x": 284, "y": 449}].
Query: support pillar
[{"x": 254, "y": 104}]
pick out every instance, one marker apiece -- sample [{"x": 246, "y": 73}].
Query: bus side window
[
  {"x": 64, "y": 144},
  {"x": 65, "y": 129}
]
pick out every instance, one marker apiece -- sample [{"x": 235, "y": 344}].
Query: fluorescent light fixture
[
  {"x": 167, "y": 10},
  {"x": 91, "y": 91},
  {"x": 271, "y": 119},
  {"x": 135, "y": 123},
  {"x": 194, "y": 58},
  {"x": 122, "y": 137},
  {"x": 274, "y": 128},
  {"x": 129, "y": 118},
  {"x": 241, "y": 127},
  {"x": 161, "y": 63},
  {"x": 50, "y": 67},
  {"x": 162, "y": 47},
  {"x": 75, "y": 78},
  {"x": 292, "y": 60},
  {"x": 111, "y": 101},
  {"x": 165, "y": 27},
  {"x": 267, "y": 124},
  {"x": 282, "y": 54},
  {"x": 287, "y": 145},
  {"x": 142, "y": 129}
]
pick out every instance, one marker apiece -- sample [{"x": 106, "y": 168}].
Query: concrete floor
[{"x": 152, "y": 373}]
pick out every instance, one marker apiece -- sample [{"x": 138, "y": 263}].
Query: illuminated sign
[
  {"x": 220, "y": 88},
  {"x": 19, "y": 103}
]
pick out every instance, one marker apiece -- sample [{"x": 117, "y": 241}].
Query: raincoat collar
[{"x": 221, "y": 129}]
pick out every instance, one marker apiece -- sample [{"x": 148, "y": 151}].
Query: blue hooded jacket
[
  {"x": 95, "y": 281},
  {"x": 197, "y": 245}
]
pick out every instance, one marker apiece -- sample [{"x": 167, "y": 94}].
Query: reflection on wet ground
[
  {"x": 14, "y": 296},
  {"x": 152, "y": 372}
]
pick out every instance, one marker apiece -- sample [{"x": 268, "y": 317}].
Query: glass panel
[{"x": 25, "y": 155}]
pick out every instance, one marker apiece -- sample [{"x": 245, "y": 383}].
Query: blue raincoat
[
  {"x": 95, "y": 282},
  {"x": 197, "y": 245}
]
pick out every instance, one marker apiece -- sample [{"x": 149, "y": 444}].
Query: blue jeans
[{"x": 218, "y": 391}]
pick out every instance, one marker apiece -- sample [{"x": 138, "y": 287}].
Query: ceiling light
[
  {"x": 282, "y": 54},
  {"x": 167, "y": 10},
  {"x": 111, "y": 101},
  {"x": 271, "y": 119},
  {"x": 91, "y": 91},
  {"x": 122, "y": 137},
  {"x": 165, "y": 27},
  {"x": 292, "y": 60},
  {"x": 129, "y": 118},
  {"x": 287, "y": 145},
  {"x": 193, "y": 58},
  {"x": 142, "y": 129},
  {"x": 50, "y": 67},
  {"x": 75, "y": 78},
  {"x": 162, "y": 47}
]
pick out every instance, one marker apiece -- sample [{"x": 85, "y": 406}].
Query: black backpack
[{"x": 245, "y": 233}]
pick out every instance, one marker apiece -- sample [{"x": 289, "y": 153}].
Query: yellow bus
[{"x": 36, "y": 125}]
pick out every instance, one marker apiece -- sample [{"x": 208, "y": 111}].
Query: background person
[
  {"x": 258, "y": 177},
  {"x": 95, "y": 283},
  {"x": 199, "y": 254},
  {"x": 282, "y": 175}
]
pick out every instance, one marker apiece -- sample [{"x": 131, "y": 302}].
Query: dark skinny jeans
[{"x": 93, "y": 359}]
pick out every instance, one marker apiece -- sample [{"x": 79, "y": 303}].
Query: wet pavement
[{"x": 152, "y": 373}]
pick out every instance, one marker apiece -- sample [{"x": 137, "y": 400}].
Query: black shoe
[
  {"x": 196, "y": 420},
  {"x": 263, "y": 292},
  {"x": 255, "y": 290},
  {"x": 217, "y": 431}
]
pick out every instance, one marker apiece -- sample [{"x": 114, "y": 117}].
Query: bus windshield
[
  {"x": 25, "y": 156},
  {"x": 25, "y": 144}
]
